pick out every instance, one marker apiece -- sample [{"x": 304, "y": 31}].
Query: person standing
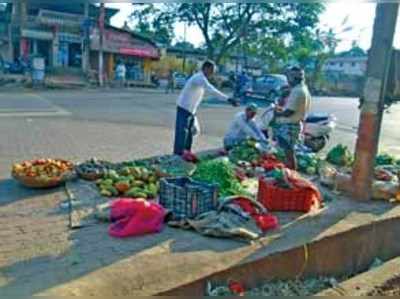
[
  {"x": 170, "y": 82},
  {"x": 244, "y": 127},
  {"x": 120, "y": 73},
  {"x": 188, "y": 102},
  {"x": 289, "y": 119}
]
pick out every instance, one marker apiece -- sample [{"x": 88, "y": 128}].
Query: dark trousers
[{"x": 183, "y": 131}]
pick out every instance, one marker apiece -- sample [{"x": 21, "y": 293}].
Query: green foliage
[
  {"x": 222, "y": 173},
  {"x": 149, "y": 21},
  {"x": 225, "y": 26}
]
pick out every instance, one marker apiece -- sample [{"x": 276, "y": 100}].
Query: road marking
[
  {"x": 35, "y": 114},
  {"x": 54, "y": 110}
]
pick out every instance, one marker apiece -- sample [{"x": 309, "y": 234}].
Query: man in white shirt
[
  {"x": 188, "y": 103},
  {"x": 120, "y": 74},
  {"x": 244, "y": 127}
]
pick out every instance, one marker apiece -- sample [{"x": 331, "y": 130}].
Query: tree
[
  {"x": 184, "y": 46},
  {"x": 224, "y": 26},
  {"x": 148, "y": 21}
]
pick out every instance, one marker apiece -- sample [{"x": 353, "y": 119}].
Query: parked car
[
  {"x": 180, "y": 80},
  {"x": 266, "y": 87}
]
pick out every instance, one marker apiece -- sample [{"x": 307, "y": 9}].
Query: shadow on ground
[{"x": 11, "y": 191}]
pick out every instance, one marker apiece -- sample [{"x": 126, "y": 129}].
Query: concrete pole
[
  {"x": 22, "y": 14},
  {"x": 101, "y": 35},
  {"x": 374, "y": 92},
  {"x": 86, "y": 41}
]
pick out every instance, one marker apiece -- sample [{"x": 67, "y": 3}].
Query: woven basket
[
  {"x": 186, "y": 198},
  {"x": 33, "y": 182}
]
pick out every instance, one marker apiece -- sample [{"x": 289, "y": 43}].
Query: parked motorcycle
[
  {"x": 17, "y": 67},
  {"x": 316, "y": 131}
]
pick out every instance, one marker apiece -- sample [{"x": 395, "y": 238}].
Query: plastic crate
[
  {"x": 275, "y": 198},
  {"x": 186, "y": 198}
]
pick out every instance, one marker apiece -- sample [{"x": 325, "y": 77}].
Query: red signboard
[
  {"x": 150, "y": 53},
  {"x": 123, "y": 43}
]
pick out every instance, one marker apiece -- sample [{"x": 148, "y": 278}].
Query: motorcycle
[
  {"x": 17, "y": 67},
  {"x": 316, "y": 130}
]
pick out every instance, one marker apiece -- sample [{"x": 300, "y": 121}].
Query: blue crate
[{"x": 186, "y": 198}]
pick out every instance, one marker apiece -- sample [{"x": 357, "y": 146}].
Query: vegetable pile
[
  {"x": 340, "y": 155},
  {"x": 246, "y": 151},
  {"x": 386, "y": 159},
  {"x": 308, "y": 163},
  {"x": 135, "y": 182},
  {"x": 221, "y": 172},
  {"x": 42, "y": 169},
  {"x": 94, "y": 167}
]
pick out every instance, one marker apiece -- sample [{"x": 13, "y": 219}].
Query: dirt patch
[{"x": 390, "y": 288}]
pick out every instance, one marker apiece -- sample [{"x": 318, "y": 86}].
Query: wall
[{"x": 348, "y": 67}]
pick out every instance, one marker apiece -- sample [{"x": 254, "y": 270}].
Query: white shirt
[
  {"x": 193, "y": 92},
  {"x": 121, "y": 70},
  {"x": 241, "y": 128}
]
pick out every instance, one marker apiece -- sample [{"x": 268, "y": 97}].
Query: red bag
[
  {"x": 134, "y": 217},
  {"x": 303, "y": 197},
  {"x": 188, "y": 156}
]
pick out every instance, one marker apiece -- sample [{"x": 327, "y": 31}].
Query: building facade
[
  {"x": 67, "y": 36},
  {"x": 356, "y": 66}
]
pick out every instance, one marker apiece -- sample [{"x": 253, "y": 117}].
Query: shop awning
[{"x": 145, "y": 53}]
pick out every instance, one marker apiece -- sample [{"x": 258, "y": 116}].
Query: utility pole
[
  {"x": 86, "y": 40},
  {"x": 184, "y": 48},
  {"x": 373, "y": 99},
  {"x": 101, "y": 36}
]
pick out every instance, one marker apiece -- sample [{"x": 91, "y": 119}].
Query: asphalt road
[{"x": 114, "y": 124}]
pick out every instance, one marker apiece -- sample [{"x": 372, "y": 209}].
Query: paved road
[{"x": 131, "y": 123}]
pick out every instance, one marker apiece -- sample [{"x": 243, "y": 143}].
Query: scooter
[{"x": 316, "y": 130}]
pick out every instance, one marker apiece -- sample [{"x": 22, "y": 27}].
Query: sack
[
  {"x": 302, "y": 197},
  {"x": 135, "y": 217}
]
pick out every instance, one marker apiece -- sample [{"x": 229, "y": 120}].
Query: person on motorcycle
[
  {"x": 288, "y": 120},
  {"x": 241, "y": 82},
  {"x": 243, "y": 127}
]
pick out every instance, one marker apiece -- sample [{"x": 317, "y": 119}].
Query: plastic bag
[{"x": 134, "y": 217}]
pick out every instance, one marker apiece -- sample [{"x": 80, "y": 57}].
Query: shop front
[
  {"x": 36, "y": 42},
  {"x": 70, "y": 50},
  {"x": 119, "y": 45}
]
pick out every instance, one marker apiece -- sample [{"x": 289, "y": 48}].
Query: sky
[{"x": 360, "y": 16}]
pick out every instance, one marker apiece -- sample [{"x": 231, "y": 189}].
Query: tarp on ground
[{"x": 84, "y": 200}]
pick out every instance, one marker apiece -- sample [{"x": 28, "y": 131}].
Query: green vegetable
[
  {"x": 220, "y": 172},
  {"x": 340, "y": 155},
  {"x": 307, "y": 163},
  {"x": 385, "y": 159},
  {"x": 246, "y": 151},
  {"x": 280, "y": 154}
]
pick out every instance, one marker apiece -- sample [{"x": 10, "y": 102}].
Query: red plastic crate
[{"x": 298, "y": 199}]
